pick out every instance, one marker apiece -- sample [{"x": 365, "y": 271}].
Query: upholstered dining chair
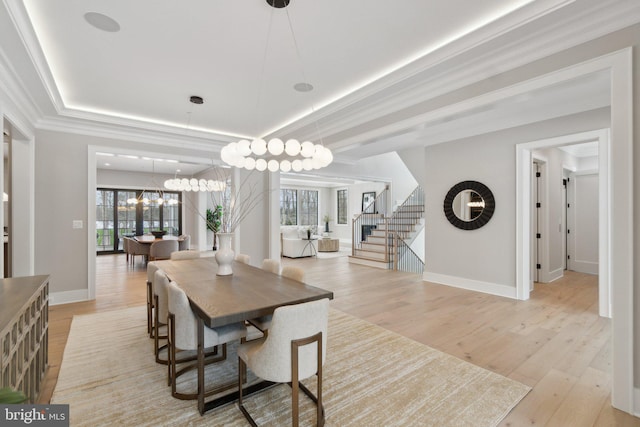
[
  {"x": 137, "y": 248},
  {"x": 295, "y": 273},
  {"x": 125, "y": 247},
  {"x": 271, "y": 265},
  {"x": 243, "y": 258},
  {"x": 294, "y": 350},
  {"x": 162, "y": 249},
  {"x": 184, "y": 242},
  {"x": 263, "y": 323},
  {"x": 183, "y": 336},
  {"x": 152, "y": 267},
  {"x": 181, "y": 255},
  {"x": 161, "y": 313}
]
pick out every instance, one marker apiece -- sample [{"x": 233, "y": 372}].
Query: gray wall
[
  {"x": 61, "y": 196},
  {"x": 486, "y": 254}
]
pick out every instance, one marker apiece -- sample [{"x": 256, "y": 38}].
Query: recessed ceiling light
[
  {"x": 196, "y": 100},
  {"x": 177, "y": 170},
  {"x": 102, "y": 22},
  {"x": 303, "y": 87},
  {"x": 107, "y": 164},
  {"x": 128, "y": 156}
]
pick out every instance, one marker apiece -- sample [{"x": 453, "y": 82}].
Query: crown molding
[
  {"x": 136, "y": 132},
  {"x": 24, "y": 29},
  {"x": 464, "y": 63}
]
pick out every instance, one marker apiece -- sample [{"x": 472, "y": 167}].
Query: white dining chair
[
  {"x": 292, "y": 272},
  {"x": 182, "y": 255},
  {"x": 263, "y": 323},
  {"x": 161, "y": 313},
  {"x": 162, "y": 249},
  {"x": 243, "y": 258},
  {"x": 183, "y": 337},
  {"x": 271, "y": 265},
  {"x": 294, "y": 350},
  {"x": 152, "y": 267}
]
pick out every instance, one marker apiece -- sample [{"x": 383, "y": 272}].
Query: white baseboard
[
  {"x": 470, "y": 284},
  {"x": 555, "y": 275},
  {"x": 587, "y": 267},
  {"x": 67, "y": 297}
]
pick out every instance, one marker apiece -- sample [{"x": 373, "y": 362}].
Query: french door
[{"x": 125, "y": 213}]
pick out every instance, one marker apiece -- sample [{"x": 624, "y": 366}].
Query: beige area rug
[{"x": 373, "y": 377}]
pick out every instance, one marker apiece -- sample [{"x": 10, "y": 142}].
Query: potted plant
[
  {"x": 11, "y": 397},
  {"x": 214, "y": 222},
  {"x": 326, "y": 218}
]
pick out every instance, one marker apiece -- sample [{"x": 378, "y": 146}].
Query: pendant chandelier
[
  {"x": 277, "y": 155},
  {"x": 193, "y": 184}
]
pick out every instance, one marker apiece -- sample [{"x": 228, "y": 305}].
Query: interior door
[{"x": 583, "y": 225}]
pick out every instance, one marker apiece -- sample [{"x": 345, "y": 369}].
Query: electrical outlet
[{"x": 77, "y": 223}]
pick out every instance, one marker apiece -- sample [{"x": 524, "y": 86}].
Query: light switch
[{"x": 77, "y": 223}]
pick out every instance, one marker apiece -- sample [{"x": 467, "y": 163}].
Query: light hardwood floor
[{"x": 555, "y": 342}]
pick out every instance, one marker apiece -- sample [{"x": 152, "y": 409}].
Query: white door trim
[{"x": 616, "y": 212}]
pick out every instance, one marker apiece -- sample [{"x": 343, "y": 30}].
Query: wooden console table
[{"x": 24, "y": 338}]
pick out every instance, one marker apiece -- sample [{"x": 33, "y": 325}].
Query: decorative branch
[{"x": 234, "y": 202}]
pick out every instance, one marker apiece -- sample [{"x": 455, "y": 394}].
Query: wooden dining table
[{"x": 248, "y": 293}]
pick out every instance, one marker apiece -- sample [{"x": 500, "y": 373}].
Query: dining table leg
[{"x": 201, "y": 408}]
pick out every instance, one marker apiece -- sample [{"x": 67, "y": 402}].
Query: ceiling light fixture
[
  {"x": 278, "y": 155},
  {"x": 193, "y": 184}
]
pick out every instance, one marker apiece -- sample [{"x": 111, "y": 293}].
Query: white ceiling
[
  {"x": 240, "y": 56},
  {"x": 216, "y": 49}
]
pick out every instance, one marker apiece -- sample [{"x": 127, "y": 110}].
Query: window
[
  {"x": 288, "y": 207},
  {"x": 308, "y": 207},
  {"x": 342, "y": 206},
  {"x": 117, "y": 217},
  {"x": 298, "y": 207}
]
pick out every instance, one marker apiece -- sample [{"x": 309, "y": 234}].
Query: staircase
[{"x": 383, "y": 241}]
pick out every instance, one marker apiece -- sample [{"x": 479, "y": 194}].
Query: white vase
[{"x": 224, "y": 254}]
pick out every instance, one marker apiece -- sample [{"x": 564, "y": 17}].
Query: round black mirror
[{"x": 469, "y": 205}]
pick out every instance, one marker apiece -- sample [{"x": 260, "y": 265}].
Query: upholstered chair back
[
  {"x": 295, "y": 273},
  {"x": 243, "y": 258},
  {"x": 271, "y": 265},
  {"x": 185, "y": 321},
  {"x": 162, "y": 249},
  {"x": 181, "y": 255},
  {"x": 137, "y": 248},
  {"x": 273, "y": 361},
  {"x": 186, "y": 324},
  {"x": 160, "y": 284},
  {"x": 152, "y": 267}
]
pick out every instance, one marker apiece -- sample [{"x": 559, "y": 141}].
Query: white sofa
[{"x": 293, "y": 244}]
